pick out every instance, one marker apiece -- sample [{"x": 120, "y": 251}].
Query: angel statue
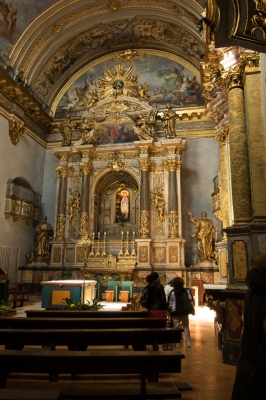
[{"x": 144, "y": 125}]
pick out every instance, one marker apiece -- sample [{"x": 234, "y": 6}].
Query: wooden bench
[
  {"x": 30, "y": 394},
  {"x": 80, "y": 339},
  {"x": 95, "y": 362},
  {"x": 17, "y": 294},
  {"x": 81, "y": 323},
  {"x": 85, "y": 314}
]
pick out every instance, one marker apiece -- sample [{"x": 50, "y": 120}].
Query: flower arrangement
[
  {"x": 73, "y": 304},
  {"x": 4, "y": 306}
]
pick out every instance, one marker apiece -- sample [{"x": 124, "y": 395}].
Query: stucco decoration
[{"x": 103, "y": 36}]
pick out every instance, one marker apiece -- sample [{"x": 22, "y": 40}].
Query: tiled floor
[{"x": 202, "y": 367}]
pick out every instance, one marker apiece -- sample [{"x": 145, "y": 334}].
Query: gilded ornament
[
  {"x": 144, "y": 164},
  {"x": 64, "y": 172},
  {"x": 70, "y": 255},
  {"x": 143, "y": 254},
  {"x": 84, "y": 224},
  {"x": 144, "y": 223},
  {"x": 223, "y": 135},
  {"x": 234, "y": 76},
  {"x": 173, "y": 223},
  {"x": 16, "y": 129},
  {"x": 73, "y": 204},
  {"x": 85, "y": 168},
  {"x": 60, "y": 226},
  {"x": 159, "y": 204},
  {"x": 259, "y": 18},
  {"x": 128, "y": 55},
  {"x": 251, "y": 60},
  {"x": 145, "y": 124},
  {"x": 57, "y": 252}
]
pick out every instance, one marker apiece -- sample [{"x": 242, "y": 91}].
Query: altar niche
[{"x": 122, "y": 205}]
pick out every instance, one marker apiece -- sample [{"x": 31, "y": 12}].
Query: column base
[{"x": 230, "y": 351}]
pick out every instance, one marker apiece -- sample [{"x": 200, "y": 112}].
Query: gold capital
[
  {"x": 144, "y": 164},
  {"x": 223, "y": 135},
  {"x": 64, "y": 172},
  {"x": 86, "y": 168}
]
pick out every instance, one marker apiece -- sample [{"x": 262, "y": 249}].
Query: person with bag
[
  {"x": 156, "y": 299},
  {"x": 180, "y": 306}
]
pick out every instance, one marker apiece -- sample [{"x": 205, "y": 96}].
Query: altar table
[{"x": 53, "y": 292}]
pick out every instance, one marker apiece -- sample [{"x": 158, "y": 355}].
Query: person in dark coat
[
  {"x": 180, "y": 305},
  {"x": 257, "y": 379},
  {"x": 253, "y": 332},
  {"x": 156, "y": 299}
]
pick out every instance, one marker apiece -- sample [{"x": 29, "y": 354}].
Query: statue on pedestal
[
  {"x": 44, "y": 236},
  {"x": 169, "y": 120},
  {"x": 204, "y": 231},
  {"x": 66, "y": 130}
]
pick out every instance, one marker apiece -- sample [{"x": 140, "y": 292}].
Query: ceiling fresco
[
  {"x": 15, "y": 17},
  {"x": 168, "y": 82},
  {"x": 47, "y": 43}
]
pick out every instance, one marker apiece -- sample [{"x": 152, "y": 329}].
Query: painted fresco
[
  {"x": 15, "y": 17},
  {"x": 168, "y": 81}
]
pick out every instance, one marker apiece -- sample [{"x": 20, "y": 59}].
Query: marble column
[
  {"x": 84, "y": 202},
  {"x": 256, "y": 136},
  {"x": 144, "y": 199},
  {"x": 223, "y": 139},
  {"x": 172, "y": 199},
  {"x": 63, "y": 173},
  {"x": 239, "y": 158}
]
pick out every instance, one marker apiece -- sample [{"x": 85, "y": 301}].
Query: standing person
[
  {"x": 156, "y": 299},
  {"x": 180, "y": 305},
  {"x": 253, "y": 332},
  {"x": 167, "y": 290}
]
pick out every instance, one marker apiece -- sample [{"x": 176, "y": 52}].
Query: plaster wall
[
  {"x": 200, "y": 165},
  {"x": 24, "y": 160},
  {"x": 49, "y": 187}
]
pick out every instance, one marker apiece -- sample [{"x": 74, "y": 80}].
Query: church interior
[{"x": 133, "y": 141}]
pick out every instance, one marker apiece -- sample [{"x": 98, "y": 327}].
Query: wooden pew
[
  {"x": 30, "y": 394},
  {"x": 85, "y": 314},
  {"x": 79, "y": 339},
  {"x": 94, "y": 362},
  {"x": 81, "y": 323}
]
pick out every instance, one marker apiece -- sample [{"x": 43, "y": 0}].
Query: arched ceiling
[{"x": 63, "y": 40}]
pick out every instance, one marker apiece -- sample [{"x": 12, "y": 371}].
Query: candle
[
  {"x": 93, "y": 234},
  {"x": 98, "y": 233},
  {"x": 104, "y": 233}
]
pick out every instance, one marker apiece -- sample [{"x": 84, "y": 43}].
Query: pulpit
[{"x": 54, "y": 292}]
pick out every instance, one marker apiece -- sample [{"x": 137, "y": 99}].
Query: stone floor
[{"x": 202, "y": 367}]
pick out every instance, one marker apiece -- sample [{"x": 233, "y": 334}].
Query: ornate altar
[{"x": 119, "y": 186}]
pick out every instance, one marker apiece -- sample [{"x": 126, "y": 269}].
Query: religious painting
[
  {"x": 168, "y": 81},
  {"x": 119, "y": 133},
  {"x": 15, "y": 17},
  {"x": 122, "y": 206}
]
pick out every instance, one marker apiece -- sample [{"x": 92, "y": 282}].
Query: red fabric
[{"x": 156, "y": 314}]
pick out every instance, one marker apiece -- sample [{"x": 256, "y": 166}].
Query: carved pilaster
[
  {"x": 84, "y": 224},
  {"x": 173, "y": 223},
  {"x": 60, "y": 226},
  {"x": 144, "y": 223}
]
